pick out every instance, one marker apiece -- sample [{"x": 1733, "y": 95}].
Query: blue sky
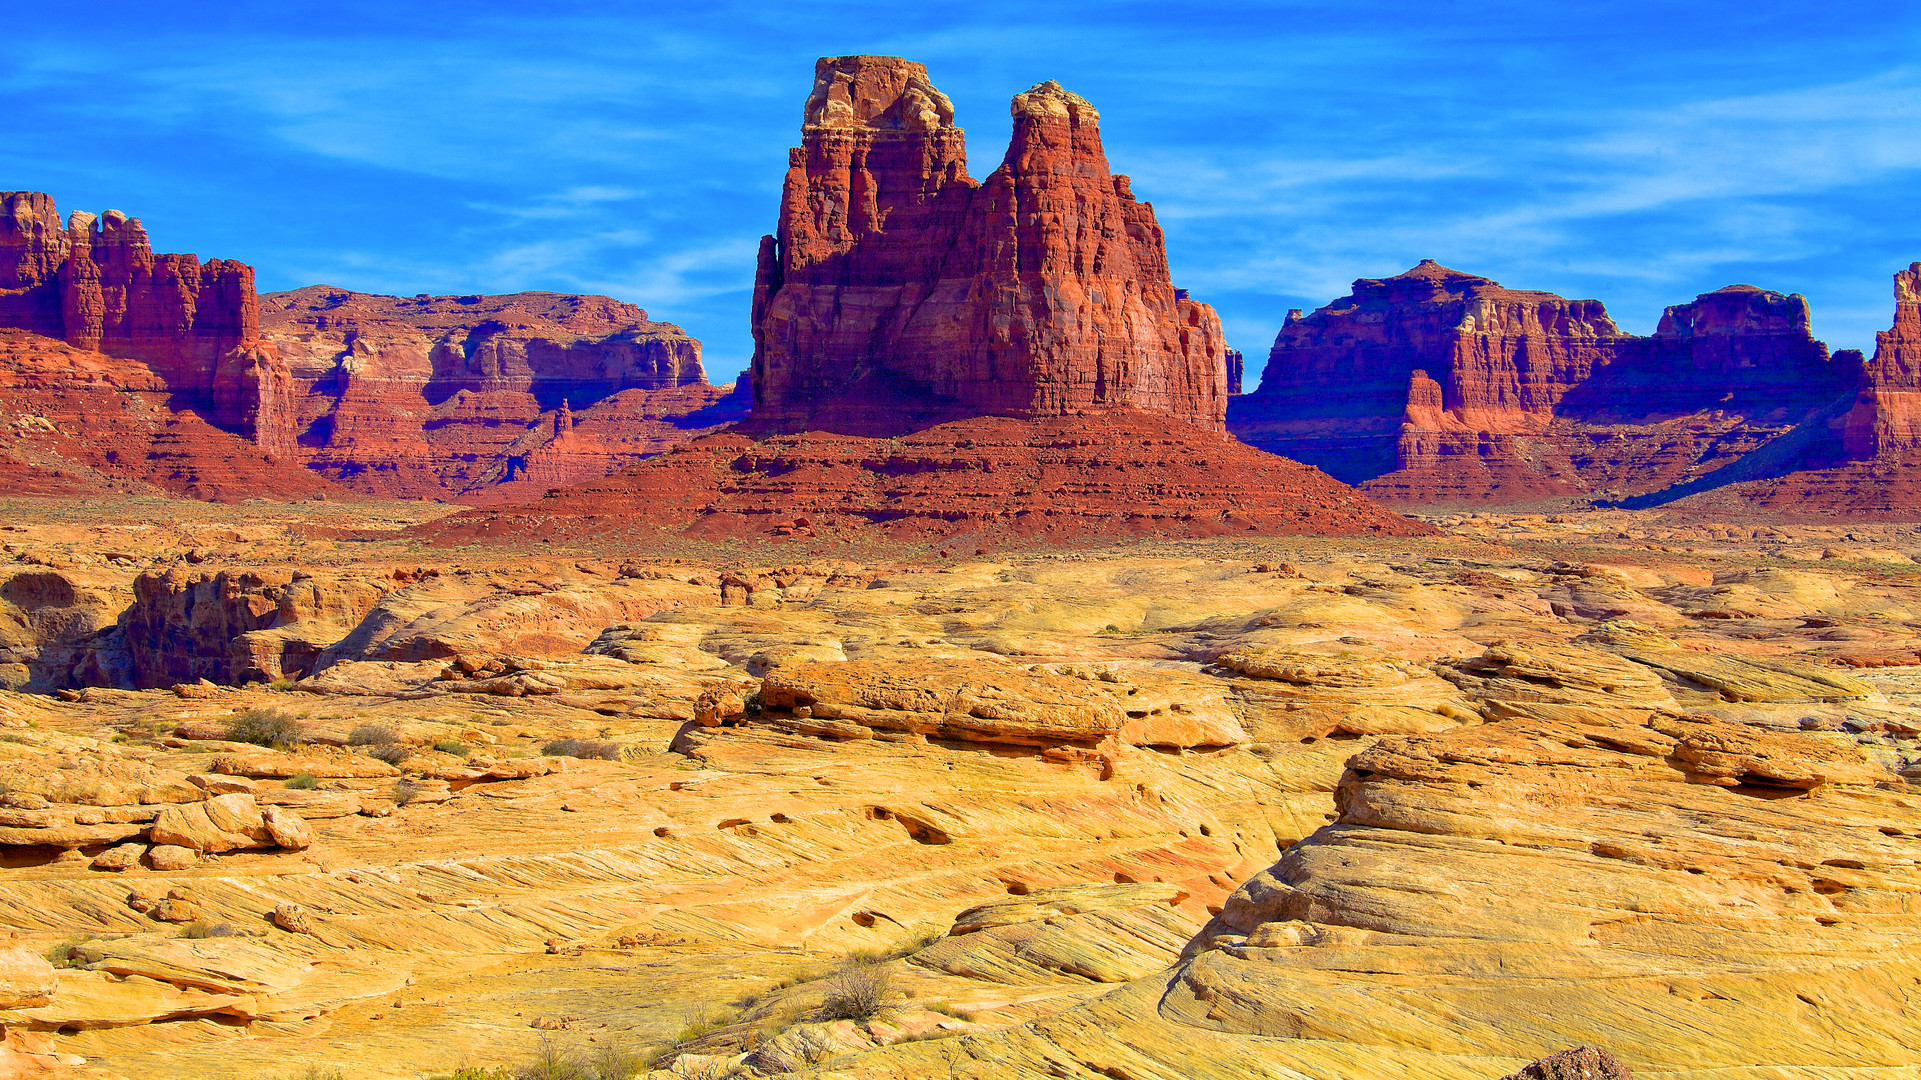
[{"x": 1638, "y": 153}]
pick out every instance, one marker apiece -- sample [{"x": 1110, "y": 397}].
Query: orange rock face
[
  {"x": 485, "y": 397},
  {"x": 900, "y": 292},
  {"x": 1442, "y": 386}
]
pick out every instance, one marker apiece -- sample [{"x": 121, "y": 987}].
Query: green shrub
[
  {"x": 282, "y": 684},
  {"x": 305, "y": 781},
  {"x": 264, "y": 727},
  {"x": 454, "y": 747}
]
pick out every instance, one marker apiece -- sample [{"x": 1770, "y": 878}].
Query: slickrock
[
  {"x": 485, "y": 397},
  {"x": 898, "y": 291},
  {"x": 1434, "y": 806},
  {"x": 988, "y": 703}
]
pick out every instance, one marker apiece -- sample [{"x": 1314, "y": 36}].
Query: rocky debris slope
[
  {"x": 898, "y": 291},
  {"x": 1441, "y": 386},
  {"x": 985, "y": 481},
  {"x": 456, "y": 396}
]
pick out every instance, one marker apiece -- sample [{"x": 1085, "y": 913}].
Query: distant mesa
[
  {"x": 128, "y": 367},
  {"x": 485, "y": 398},
  {"x": 939, "y": 357},
  {"x": 1437, "y": 386}
]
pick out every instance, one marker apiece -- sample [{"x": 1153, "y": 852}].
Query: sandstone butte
[
  {"x": 1449, "y": 388},
  {"x": 939, "y": 358},
  {"x": 121, "y": 367}
]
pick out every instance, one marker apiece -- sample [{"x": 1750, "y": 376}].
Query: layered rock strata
[
  {"x": 1441, "y": 386},
  {"x": 983, "y": 481},
  {"x": 478, "y": 397},
  {"x": 899, "y": 292}
]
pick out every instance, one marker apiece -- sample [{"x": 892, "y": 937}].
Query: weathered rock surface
[
  {"x": 455, "y": 396},
  {"x": 898, "y": 292}
]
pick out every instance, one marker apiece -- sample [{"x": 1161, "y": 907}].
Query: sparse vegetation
[
  {"x": 305, "y": 781},
  {"x": 856, "y": 991},
  {"x": 391, "y": 753},
  {"x": 264, "y": 727},
  {"x": 454, "y": 747},
  {"x": 60, "y": 954},
  {"x": 405, "y": 791},
  {"x": 582, "y": 748},
  {"x": 371, "y": 733},
  {"x": 282, "y": 684}
]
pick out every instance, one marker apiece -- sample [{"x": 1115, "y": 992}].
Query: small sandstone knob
[
  {"x": 1907, "y": 285},
  {"x": 879, "y": 92},
  {"x": 1051, "y": 99}
]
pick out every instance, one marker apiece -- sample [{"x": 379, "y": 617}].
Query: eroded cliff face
[
  {"x": 474, "y": 397},
  {"x": 1886, "y": 418},
  {"x": 185, "y": 331},
  {"x": 1442, "y": 386},
  {"x": 899, "y": 292}
]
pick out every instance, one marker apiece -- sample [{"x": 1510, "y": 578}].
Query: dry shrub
[
  {"x": 582, "y": 748},
  {"x": 856, "y": 991},
  {"x": 264, "y": 727},
  {"x": 372, "y": 734}
]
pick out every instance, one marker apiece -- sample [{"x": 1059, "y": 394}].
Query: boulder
[{"x": 230, "y": 823}]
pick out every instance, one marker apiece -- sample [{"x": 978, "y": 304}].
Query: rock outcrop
[
  {"x": 121, "y": 366},
  {"x": 899, "y": 292},
  {"x": 1441, "y": 386},
  {"x": 479, "y": 397}
]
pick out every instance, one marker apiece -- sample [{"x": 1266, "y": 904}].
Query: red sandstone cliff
[
  {"x": 485, "y": 397},
  {"x": 897, "y": 291},
  {"x": 110, "y": 347},
  {"x": 1442, "y": 386},
  {"x": 1886, "y": 419}
]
